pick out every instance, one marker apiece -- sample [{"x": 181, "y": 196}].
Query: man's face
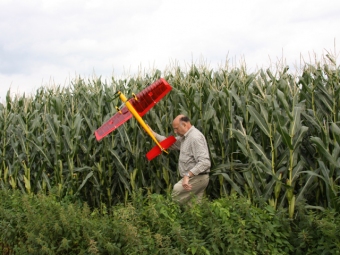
[{"x": 179, "y": 128}]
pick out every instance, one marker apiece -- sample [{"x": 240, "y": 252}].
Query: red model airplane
[{"x": 138, "y": 106}]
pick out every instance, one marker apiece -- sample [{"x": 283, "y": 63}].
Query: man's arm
[{"x": 175, "y": 146}]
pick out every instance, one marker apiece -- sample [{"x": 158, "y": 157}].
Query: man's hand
[{"x": 185, "y": 183}]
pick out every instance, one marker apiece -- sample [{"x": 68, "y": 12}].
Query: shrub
[
  {"x": 316, "y": 232},
  {"x": 40, "y": 224}
]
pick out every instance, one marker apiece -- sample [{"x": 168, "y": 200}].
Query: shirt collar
[{"x": 189, "y": 131}]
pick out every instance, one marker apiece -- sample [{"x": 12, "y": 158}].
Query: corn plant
[{"x": 272, "y": 136}]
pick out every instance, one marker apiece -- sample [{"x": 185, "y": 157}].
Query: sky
[{"x": 51, "y": 42}]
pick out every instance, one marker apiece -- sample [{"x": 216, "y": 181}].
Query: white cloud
[{"x": 42, "y": 42}]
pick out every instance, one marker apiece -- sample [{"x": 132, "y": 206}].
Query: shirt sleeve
[{"x": 175, "y": 146}]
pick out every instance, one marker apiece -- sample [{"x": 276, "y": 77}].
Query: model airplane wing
[
  {"x": 113, "y": 123},
  {"x": 142, "y": 102},
  {"x": 147, "y": 98}
]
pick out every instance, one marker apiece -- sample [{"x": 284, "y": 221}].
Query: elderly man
[{"x": 194, "y": 161}]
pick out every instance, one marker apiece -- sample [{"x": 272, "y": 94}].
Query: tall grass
[{"x": 272, "y": 136}]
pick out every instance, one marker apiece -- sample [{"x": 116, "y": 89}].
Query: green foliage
[
  {"x": 271, "y": 136},
  {"x": 316, "y": 232},
  {"x": 235, "y": 226},
  {"x": 40, "y": 224}
]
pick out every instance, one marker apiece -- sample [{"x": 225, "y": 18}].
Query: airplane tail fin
[{"x": 156, "y": 151}]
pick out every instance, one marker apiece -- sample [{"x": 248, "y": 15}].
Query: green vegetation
[
  {"x": 273, "y": 137},
  {"x": 40, "y": 224}
]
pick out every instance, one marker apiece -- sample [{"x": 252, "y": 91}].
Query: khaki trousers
[{"x": 198, "y": 182}]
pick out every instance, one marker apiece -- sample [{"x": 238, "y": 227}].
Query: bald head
[{"x": 181, "y": 124}]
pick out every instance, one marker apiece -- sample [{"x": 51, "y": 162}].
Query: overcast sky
[{"x": 50, "y": 42}]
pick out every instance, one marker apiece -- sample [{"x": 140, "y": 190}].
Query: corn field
[{"x": 272, "y": 137}]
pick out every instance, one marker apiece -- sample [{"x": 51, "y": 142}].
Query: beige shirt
[{"x": 194, "y": 153}]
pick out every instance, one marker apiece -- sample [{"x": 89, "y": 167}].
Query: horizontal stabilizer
[{"x": 156, "y": 151}]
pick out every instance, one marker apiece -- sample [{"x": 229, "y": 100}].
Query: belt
[{"x": 203, "y": 173}]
